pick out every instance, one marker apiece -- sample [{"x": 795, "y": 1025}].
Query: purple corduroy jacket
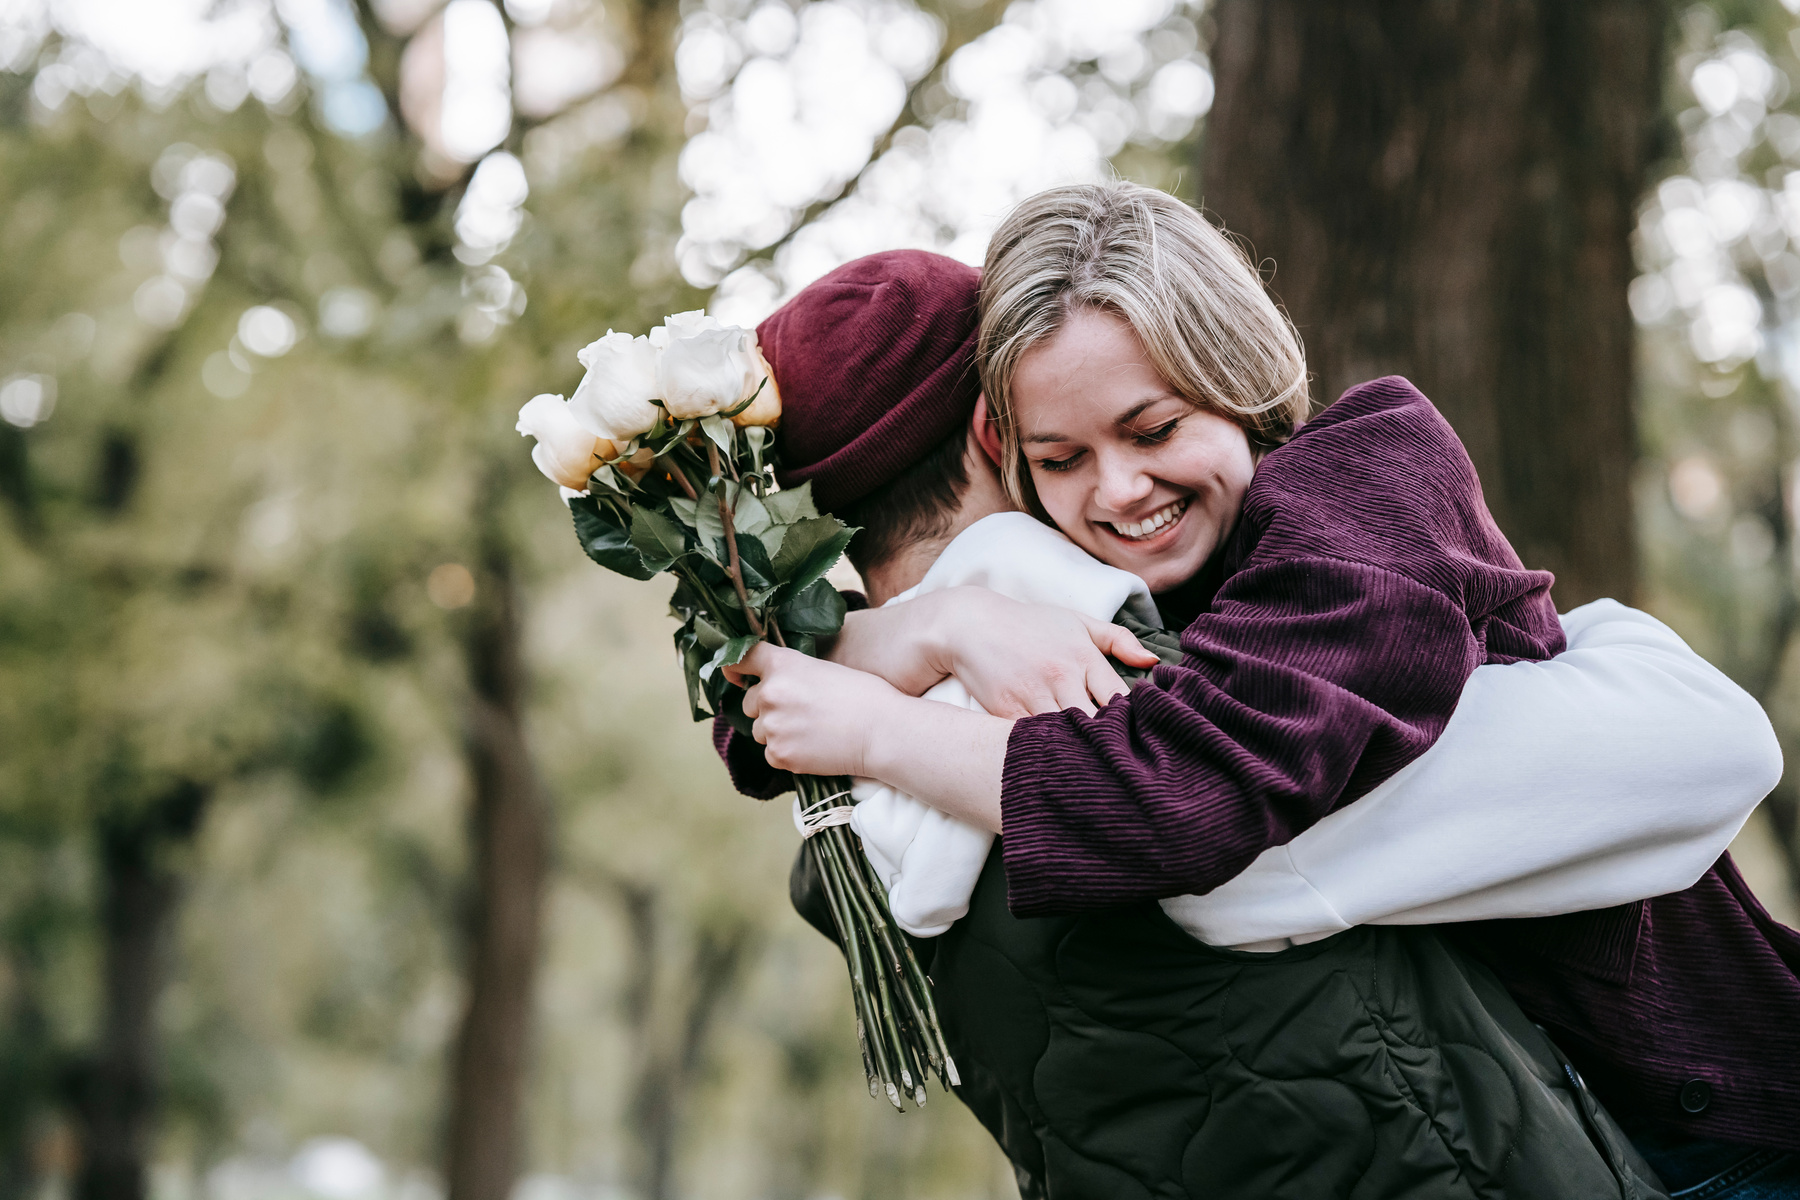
[{"x": 1364, "y": 583}]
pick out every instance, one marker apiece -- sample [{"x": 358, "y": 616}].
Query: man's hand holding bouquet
[{"x": 665, "y": 456}]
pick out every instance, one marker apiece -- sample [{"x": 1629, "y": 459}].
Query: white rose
[
  {"x": 708, "y": 370},
  {"x": 613, "y": 400},
  {"x": 565, "y": 451},
  {"x": 681, "y": 325}
]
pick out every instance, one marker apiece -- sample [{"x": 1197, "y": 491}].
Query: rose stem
[
  {"x": 928, "y": 1019},
  {"x": 884, "y": 1034},
  {"x": 858, "y": 988},
  {"x": 680, "y": 476},
  {"x": 856, "y": 950},
  {"x": 901, "y": 957},
  {"x": 737, "y": 571},
  {"x": 856, "y": 947},
  {"x": 892, "y": 1022},
  {"x": 919, "y": 1075},
  {"x": 873, "y": 924}
]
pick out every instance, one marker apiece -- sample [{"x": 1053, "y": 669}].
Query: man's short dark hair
[{"x": 915, "y": 506}]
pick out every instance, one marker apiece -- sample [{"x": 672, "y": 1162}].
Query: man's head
[{"x": 875, "y": 362}]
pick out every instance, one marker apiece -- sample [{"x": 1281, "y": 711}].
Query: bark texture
[
  {"x": 1447, "y": 189},
  {"x": 112, "y": 1091},
  {"x": 510, "y": 835}
]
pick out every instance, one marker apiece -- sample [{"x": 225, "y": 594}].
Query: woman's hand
[
  {"x": 812, "y": 717},
  {"x": 819, "y": 718},
  {"x": 1016, "y": 659}
]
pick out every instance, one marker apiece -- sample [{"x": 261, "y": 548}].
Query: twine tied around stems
[{"x": 817, "y": 816}]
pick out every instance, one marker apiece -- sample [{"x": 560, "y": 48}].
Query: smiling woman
[
  {"x": 1165, "y": 349},
  {"x": 1133, "y": 472},
  {"x": 1337, "y": 590}
]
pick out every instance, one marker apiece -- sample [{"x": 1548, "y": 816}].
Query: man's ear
[{"x": 987, "y": 433}]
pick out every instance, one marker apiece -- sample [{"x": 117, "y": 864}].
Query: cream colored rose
[
  {"x": 681, "y": 325},
  {"x": 766, "y": 408},
  {"x": 565, "y": 451},
  {"x": 708, "y": 370},
  {"x": 614, "y": 399}
]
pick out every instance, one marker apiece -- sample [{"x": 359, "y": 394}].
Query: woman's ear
[{"x": 987, "y": 432}]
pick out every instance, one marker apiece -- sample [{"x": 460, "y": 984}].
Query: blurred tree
[
  {"x": 272, "y": 545},
  {"x": 1448, "y": 191}
]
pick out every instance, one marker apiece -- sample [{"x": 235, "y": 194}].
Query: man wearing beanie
[{"x": 876, "y": 367}]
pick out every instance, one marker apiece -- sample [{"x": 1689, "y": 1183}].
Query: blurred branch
[
  {"x": 668, "y": 1053},
  {"x": 1782, "y": 804},
  {"x": 718, "y": 957},
  {"x": 385, "y": 49},
  {"x": 818, "y": 208}
]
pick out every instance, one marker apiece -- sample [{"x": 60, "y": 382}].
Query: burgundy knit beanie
[{"x": 876, "y": 366}]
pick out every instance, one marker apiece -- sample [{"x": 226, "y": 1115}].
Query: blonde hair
[{"x": 1190, "y": 294}]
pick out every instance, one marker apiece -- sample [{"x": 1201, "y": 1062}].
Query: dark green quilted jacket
[{"x": 1115, "y": 1057}]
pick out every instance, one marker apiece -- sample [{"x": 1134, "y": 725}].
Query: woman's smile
[
  {"x": 1132, "y": 471},
  {"x": 1152, "y": 530}
]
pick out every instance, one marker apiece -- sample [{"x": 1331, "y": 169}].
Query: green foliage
[{"x": 606, "y": 541}]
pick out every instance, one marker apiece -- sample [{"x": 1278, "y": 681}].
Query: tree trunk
[
  {"x": 668, "y": 1071},
  {"x": 1447, "y": 189},
  {"x": 510, "y": 835},
  {"x": 113, "y": 1091}
]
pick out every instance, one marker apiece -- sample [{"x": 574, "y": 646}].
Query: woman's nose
[{"x": 1122, "y": 484}]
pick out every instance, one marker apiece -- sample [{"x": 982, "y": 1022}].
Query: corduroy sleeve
[
  {"x": 1309, "y": 682},
  {"x": 750, "y": 772}
]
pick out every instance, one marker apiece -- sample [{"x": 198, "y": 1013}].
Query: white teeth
[{"x": 1138, "y": 530}]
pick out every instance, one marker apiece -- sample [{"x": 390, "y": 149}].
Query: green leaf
[
  {"x": 808, "y": 550},
  {"x": 748, "y": 515},
  {"x": 756, "y": 437},
  {"x": 720, "y": 430},
  {"x": 818, "y": 611},
  {"x": 660, "y": 540},
  {"x": 605, "y": 541},
  {"x": 707, "y": 522},
  {"x": 753, "y": 557},
  {"x": 708, "y": 635},
  {"x": 606, "y": 479},
  {"x": 790, "y": 505},
  {"x": 693, "y": 660},
  {"x": 684, "y": 509},
  {"x": 729, "y": 655},
  {"x": 735, "y": 650}
]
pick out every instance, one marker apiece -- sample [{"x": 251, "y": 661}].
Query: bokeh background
[{"x": 354, "y": 844}]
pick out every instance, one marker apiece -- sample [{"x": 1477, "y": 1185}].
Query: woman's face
[{"x": 1134, "y": 474}]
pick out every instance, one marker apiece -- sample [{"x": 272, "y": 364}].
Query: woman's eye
[
  {"x": 1161, "y": 433},
  {"x": 1057, "y": 464}
]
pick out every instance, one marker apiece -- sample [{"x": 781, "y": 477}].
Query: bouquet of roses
[{"x": 665, "y": 456}]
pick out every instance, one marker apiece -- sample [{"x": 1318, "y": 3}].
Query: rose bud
[
  {"x": 766, "y": 408},
  {"x": 614, "y": 399},
  {"x": 705, "y": 371},
  {"x": 565, "y": 451}
]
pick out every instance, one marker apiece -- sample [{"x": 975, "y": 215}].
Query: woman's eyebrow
[
  {"x": 1123, "y": 420},
  {"x": 1130, "y": 415}
]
